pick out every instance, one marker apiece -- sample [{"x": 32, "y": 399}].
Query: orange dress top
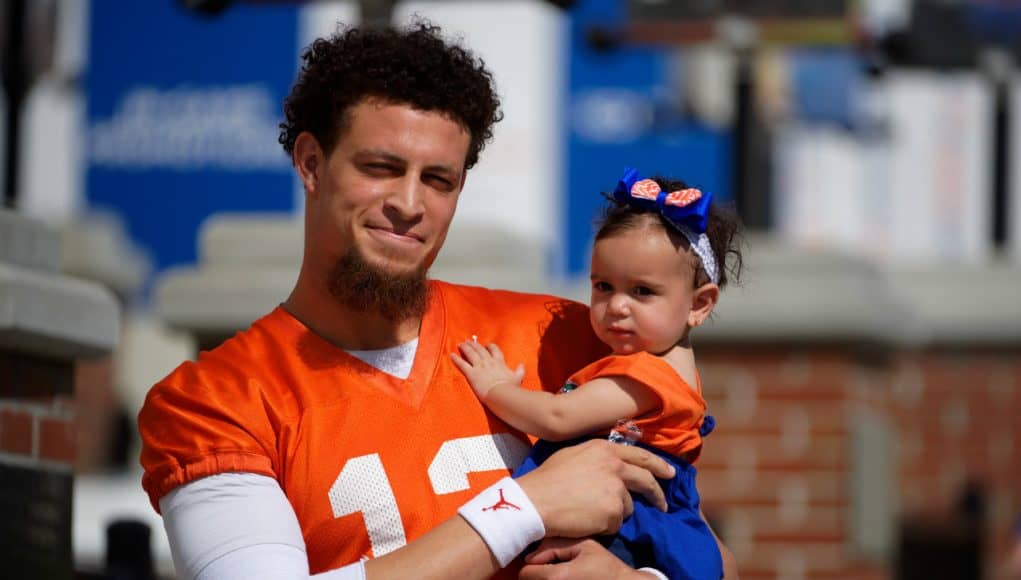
[{"x": 674, "y": 426}]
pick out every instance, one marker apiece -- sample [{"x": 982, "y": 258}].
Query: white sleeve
[{"x": 238, "y": 526}]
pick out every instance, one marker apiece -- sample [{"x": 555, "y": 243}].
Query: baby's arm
[{"x": 595, "y": 405}]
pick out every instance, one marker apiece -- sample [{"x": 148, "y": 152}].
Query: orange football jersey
[{"x": 368, "y": 461}]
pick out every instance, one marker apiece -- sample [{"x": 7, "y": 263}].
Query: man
[{"x": 336, "y": 428}]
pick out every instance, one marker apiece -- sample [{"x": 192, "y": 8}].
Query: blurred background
[{"x": 865, "y": 373}]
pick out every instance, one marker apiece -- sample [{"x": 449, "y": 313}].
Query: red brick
[
  {"x": 853, "y": 573},
  {"x": 976, "y": 461},
  {"x": 815, "y": 557},
  {"x": 757, "y": 521},
  {"x": 93, "y": 379},
  {"x": 801, "y": 381},
  {"x": 771, "y": 452},
  {"x": 769, "y": 418},
  {"x": 932, "y": 407},
  {"x": 56, "y": 439},
  {"x": 799, "y": 537},
  {"x": 776, "y": 430},
  {"x": 874, "y": 571},
  {"x": 16, "y": 431},
  {"x": 925, "y": 395},
  {"x": 821, "y": 487},
  {"x": 95, "y": 408},
  {"x": 26, "y": 377}
]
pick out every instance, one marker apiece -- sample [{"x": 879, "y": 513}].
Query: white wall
[
  {"x": 821, "y": 199},
  {"x": 320, "y": 19},
  {"x": 939, "y": 165},
  {"x": 52, "y": 174},
  {"x": 918, "y": 194},
  {"x": 517, "y": 184}
]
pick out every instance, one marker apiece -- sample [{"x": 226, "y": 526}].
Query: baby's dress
[{"x": 677, "y": 542}]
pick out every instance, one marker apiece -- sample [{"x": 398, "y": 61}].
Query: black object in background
[
  {"x": 35, "y": 529},
  {"x": 946, "y": 549},
  {"x": 128, "y": 551},
  {"x": 1000, "y": 162},
  {"x": 16, "y": 82}
]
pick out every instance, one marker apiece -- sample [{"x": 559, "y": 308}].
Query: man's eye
[
  {"x": 378, "y": 168},
  {"x": 441, "y": 183}
]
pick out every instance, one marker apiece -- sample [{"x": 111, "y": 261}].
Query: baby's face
[{"x": 642, "y": 290}]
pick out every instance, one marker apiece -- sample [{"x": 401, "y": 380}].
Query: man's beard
[{"x": 361, "y": 286}]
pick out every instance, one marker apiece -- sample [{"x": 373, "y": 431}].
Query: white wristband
[
  {"x": 654, "y": 572},
  {"x": 505, "y": 518}
]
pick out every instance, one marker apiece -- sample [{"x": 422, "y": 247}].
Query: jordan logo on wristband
[{"x": 502, "y": 504}]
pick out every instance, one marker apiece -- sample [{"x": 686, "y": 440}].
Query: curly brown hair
[
  {"x": 723, "y": 228},
  {"x": 413, "y": 66}
]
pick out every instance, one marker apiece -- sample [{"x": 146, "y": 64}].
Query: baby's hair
[{"x": 722, "y": 228}]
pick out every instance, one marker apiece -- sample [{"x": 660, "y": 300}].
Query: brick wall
[
  {"x": 36, "y": 418},
  {"x": 96, "y": 408},
  {"x": 776, "y": 474},
  {"x": 37, "y": 453},
  {"x": 47, "y": 321},
  {"x": 959, "y": 418}
]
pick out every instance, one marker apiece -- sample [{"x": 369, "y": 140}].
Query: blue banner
[
  {"x": 622, "y": 111},
  {"x": 182, "y": 117}
]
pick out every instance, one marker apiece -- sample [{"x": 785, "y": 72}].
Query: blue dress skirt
[{"x": 676, "y": 542}]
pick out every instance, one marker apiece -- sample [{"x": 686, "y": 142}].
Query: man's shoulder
[
  {"x": 557, "y": 329},
  {"x": 495, "y": 302},
  {"x": 240, "y": 360}
]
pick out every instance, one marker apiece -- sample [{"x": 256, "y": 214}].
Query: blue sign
[
  {"x": 622, "y": 111},
  {"x": 182, "y": 117}
]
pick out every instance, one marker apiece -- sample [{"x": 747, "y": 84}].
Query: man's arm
[
  {"x": 233, "y": 530},
  {"x": 580, "y": 491},
  {"x": 729, "y": 562}
]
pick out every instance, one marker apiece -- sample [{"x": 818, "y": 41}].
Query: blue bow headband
[{"x": 686, "y": 209}]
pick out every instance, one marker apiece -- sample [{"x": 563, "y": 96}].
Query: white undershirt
[
  {"x": 396, "y": 360},
  {"x": 238, "y": 525}
]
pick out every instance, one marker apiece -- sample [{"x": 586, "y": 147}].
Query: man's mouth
[{"x": 410, "y": 238}]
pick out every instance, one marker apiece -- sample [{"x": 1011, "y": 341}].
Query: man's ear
[
  {"x": 308, "y": 159},
  {"x": 702, "y": 303}
]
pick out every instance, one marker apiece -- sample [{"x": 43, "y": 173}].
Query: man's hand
[
  {"x": 583, "y": 490},
  {"x": 565, "y": 559},
  {"x": 485, "y": 368}
]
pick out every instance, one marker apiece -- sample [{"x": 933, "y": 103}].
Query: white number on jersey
[
  {"x": 363, "y": 486},
  {"x": 457, "y": 458}
]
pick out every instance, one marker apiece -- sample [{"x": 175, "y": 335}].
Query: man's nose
[{"x": 407, "y": 199}]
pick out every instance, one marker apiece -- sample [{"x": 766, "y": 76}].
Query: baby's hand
[{"x": 485, "y": 368}]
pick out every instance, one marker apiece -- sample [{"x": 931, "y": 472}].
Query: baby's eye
[
  {"x": 643, "y": 291},
  {"x": 602, "y": 286}
]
